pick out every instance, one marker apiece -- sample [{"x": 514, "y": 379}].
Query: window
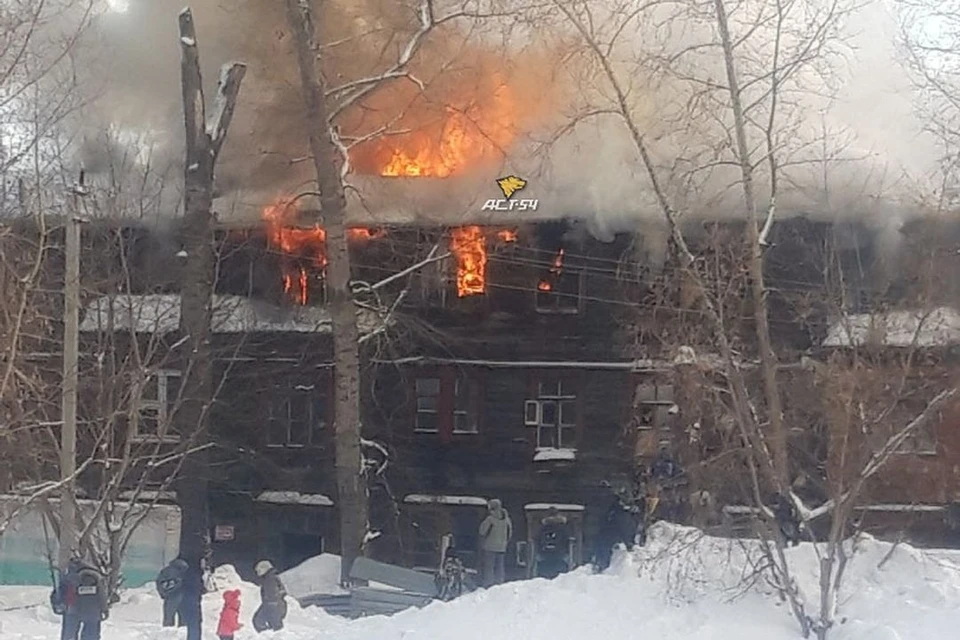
[
  {"x": 553, "y": 414},
  {"x": 295, "y": 417},
  {"x": 428, "y": 405},
  {"x": 654, "y": 406},
  {"x": 560, "y": 293},
  {"x": 464, "y": 420},
  {"x": 922, "y": 439},
  {"x": 446, "y": 403},
  {"x": 158, "y": 401}
]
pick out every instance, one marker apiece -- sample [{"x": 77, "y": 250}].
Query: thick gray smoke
[{"x": 591, "y": 172}]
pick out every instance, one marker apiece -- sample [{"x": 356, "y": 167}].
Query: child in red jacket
[{"x": 230, "y": 615}]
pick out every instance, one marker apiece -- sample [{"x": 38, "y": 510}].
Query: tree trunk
[
  {"x": 203, "y": 145},
  {"x": 768, "y": 359},
  {"x": 351, "y": 493}
]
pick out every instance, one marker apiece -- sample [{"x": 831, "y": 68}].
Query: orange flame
[
  {"x": 301, "y": 243},
  {"x": 468, "y": 244},
  {"x": 508, "y": 235},
  {"x": 555, "y": 269},
  {"x": 463, "y": 137}
]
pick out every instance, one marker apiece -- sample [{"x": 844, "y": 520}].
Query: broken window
[
  {"x": 447, "y": 403},
  {"x": 296, "y": 416},
  {"x": 157, "y": 405},
  {"x": 561, "y": 293},
  {"x": 655, "y": 408},
  {"x": 553, "y": 413}
]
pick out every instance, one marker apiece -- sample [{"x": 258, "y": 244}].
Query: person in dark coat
[
  {"x": 788, "y": 520},
  {"x": 620, "y": 525},
  {"x": 170, "y": 587},
  {"x": 553, "y": 546},
  {"x": 191, "y": 614},
  {"x": 273, "y": 604},
  {"x": 82, "y": 600}
]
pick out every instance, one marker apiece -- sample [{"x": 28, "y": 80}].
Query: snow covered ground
[{"x": 682, "y": 586}]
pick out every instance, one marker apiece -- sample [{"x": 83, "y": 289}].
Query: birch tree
[
  {"x": 325, "y": 106},
  {"x": 741, "y": 82}
]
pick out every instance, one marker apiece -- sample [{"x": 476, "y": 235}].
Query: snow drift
[{"x": 681, "y": 586}]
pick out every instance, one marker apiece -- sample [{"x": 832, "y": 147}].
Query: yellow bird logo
[{"x": 510, "y": 185}]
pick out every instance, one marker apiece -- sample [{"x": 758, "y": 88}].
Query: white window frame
[
  {"x": 558, "y": 397},
  {"x": 434, "y": 412},
  {"x": 158, "y": 407},
  {"x": 313, "y": 420}
]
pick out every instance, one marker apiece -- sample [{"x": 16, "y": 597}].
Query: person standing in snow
[
  {"x": 496, "y": 530},
  {"x": 230, "y": 615},
  {"x": 553, "y": 546},
  {"x": 273, "y": 604},
  {"x": 191, "y": 613},
  {"x": 788, "y": 520},
  {"x": 82, "y": 599},
  {"x": 170, "y": 588}
]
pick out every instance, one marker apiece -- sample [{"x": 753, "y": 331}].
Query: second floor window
[
  {"x": 296, "y": 417},
  {"x": 446, "y": 403},
  {"x": 553, "y": 413},
  {"x": 157, "y": 404}
]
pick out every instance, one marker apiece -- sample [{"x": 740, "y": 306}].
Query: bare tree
[
  {"x": 772, "y": 54},
  {"x": 331, "y": 154}
]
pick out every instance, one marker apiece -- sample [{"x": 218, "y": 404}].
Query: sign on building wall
[{"x": 223, "y": 533}]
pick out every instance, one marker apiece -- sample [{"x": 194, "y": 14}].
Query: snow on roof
[
  {"x": 548, "y": 453},
  {"x": 546, "y": 506},
  {"x": 295, "y": 497},
  {"x": 937, "y": 328},
  {"x": 160, "y": 314},
  {"x": 470, "y": 501}
]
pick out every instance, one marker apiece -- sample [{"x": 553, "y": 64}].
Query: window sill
[
  {"x": 466, "y": 433},
  {"x": 425, "y": 432}
]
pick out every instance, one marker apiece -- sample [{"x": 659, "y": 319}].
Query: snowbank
[{"x": 681, "y": 586}]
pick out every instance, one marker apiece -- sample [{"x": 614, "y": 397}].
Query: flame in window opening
[
  {"x": 468, "y": 244},
  {"x": 508, "y": 235},
  {"x": 555, "y": 269},
  {"x": 299, "y": 244}
]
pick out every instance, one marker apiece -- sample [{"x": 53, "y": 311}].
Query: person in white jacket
[{"x": 496, "y": 530}]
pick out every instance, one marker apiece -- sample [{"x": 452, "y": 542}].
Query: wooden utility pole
[
  {"x": 68, "y": 400},
  {"x": 351, "y": 490},
  {"x": 203, "y": 143}
]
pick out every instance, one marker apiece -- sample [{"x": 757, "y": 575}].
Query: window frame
[
  {"x": 658, "y": 406},
  {"x": 435, "y": 412},
  {"x": 555, "y": 295},
  {"x": 318, "y": 415},
  {"x": 160, "y": 407},
  {"x": 448, "y": 404},
  {"x": 565, "y": 392}
]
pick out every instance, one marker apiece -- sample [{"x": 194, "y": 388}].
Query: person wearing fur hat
[
  {"x": 273, "y": 604},
  {"x": 230, "y": 615},
  {"x": 495, "y": 533}
]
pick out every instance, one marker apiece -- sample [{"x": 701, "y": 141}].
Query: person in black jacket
[
  {"x": 191, "y": 614},
  {"x": 553, "y": 546},
  {"x": 82, "y": 599},
  {"x": 788, "y": 519},
  {"x": 170, "y": 587},
  {"x": 273, "y": 603}
]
